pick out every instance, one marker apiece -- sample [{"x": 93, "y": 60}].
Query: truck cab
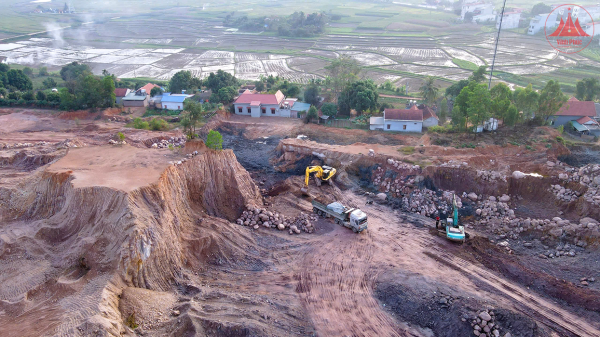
[{"x": 358, "y": 221}]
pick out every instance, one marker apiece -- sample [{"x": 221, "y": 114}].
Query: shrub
[
  {"x": 121, "y": 136},
  {"x": 561, "y": 129},
  {"x": 560, "y": 139},
  {"x": 439, "y": 129},
  {"x": 214, "y": 140},
  {"x": 138, "y": 123},
  {"x": 40, "y": 96},
  {"x": 407, "y": 150},
  {"x": 548, "y": 146},
  {"x": 157, "y": 124}
]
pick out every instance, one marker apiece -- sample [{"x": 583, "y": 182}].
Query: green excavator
[{"x": 451, "y": 227}]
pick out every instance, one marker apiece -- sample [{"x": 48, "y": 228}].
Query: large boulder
[
  {"x": 518, "y": 175},
  {"x": 504, "y": 198},
  {"x": 382, "y": 196},
  {"x": 472, "y": 196}
]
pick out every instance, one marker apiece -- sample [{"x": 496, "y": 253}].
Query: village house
[
  {"x": 482, "y": 12},
  {"x": 573, "y": 110},
  {"x": 587, "y": 126},
  {"x": 148, "y": 87},
  {"x": 539, "y": 22},
  {"x": 120, "y": 93},
  {"x": 136, "y": 99},
  {"x": 405, "y": 120},
  {"x": 510, "y": 20},
  {"x": 257, "y": 105},
  {"x": 173, "y": 101}
]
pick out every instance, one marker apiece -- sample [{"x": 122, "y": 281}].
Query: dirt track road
[{"x": 340, "y": 268}]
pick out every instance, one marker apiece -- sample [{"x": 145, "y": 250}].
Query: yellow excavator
[{"x": 321, "y": 174}]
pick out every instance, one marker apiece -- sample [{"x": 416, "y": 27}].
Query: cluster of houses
[
  {"x": 583, "y": 116},
  {"x": 141, "y": 98},
  {"x": 484, "y": 12}
]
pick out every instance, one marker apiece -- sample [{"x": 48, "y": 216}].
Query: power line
[{"x": 496, "y": 47}]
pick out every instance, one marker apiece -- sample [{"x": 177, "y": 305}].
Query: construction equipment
[
  {"x": 321, "y": 174},
  {"x": 451, "y": 227},
  {"x": 352, "y": 218}
]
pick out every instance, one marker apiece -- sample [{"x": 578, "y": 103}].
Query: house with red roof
[
  {"x": 148, "y": 87},
  {"x": 573, "y": 110},
  {"x": 120, "y": 93},
  {"x": 257, "y": 105},
  {"x": 405, "y": 120}
]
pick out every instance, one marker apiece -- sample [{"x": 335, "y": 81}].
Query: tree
[
  {"x": 455, "y": 88},
  {"x": 501, "y": 96},
  {"x": 40, "y": 96},
  {"x": 181, "y": 81},
  {"x": 74, "y": 70},
  {"x": 53, "y": 97},
  {"x": 259, "y": 86},
  {"x": 443, "y": 115},
  {"x": 459, "y": 120},
  {"x": 195, "y": 115},
  {"x": 49, "y": 83},
  {"x": 227, "y": 94},
  {"x": 312, "y": 113},
  {"x": 526, "y": 100},
  {"x": 214, "y": 140},
  {"x": 43, "y": 71},
  {"x": 429, "y": 90},
  {"x": 329, "y": 109},
  {"x": 19, "y": 80},
  {"x": 107, "y": 94},
  {"x": 360, "y": 95},
  {"x": 195, "y": 83},
  {"x": 540, "y": 8},
  {"x": 155, "y": 91},
  {"x": 479, "y": 104},
  {"x": 341, "y": 72},
  {"x": 221, "y": 79},
  {"x": 479, "y": 74},
  {"x": 28, "y": 71},
  {"x": 289, "y": 89},
  {"x": 551, "y": 100},
  {"x": 3, "y": 92},
  {"x": 28, "y": 96},
  {"x": 587, "y": 89},
  {"x": 512, "y": 116},
  {"x": 311, "y": 94}
]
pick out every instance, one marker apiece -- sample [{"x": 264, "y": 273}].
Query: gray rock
[
  {"x": 382, "y": 196},
  {"x": 485, "y": 316},
  {"x": 472, "y": 196}
]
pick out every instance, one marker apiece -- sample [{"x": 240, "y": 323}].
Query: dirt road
[{"x": 340, "y": 269}]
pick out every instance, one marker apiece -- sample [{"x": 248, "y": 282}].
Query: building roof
[
  {"x": 149, "y": 87},
  {"x": 577, "y": 108},
  {"x": 586, "y": 120},
  {"x": 121, "y": 92},
  {"x": 248, "y": 97},
  {"x": 133, "y": 97},
  {"x": 428, "y": 113},
  {"x": 412, "y": 114},
  {"x": 255, "y": 103},
  {"x": 300, "y": 106},
  {"x": 174, "y": 98},
  {"x": 578, "y": 126}
]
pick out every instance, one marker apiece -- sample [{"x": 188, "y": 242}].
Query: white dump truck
[{"x": 352, "y": 218}]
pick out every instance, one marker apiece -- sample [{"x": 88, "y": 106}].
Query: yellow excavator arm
[{"x": 324, "y": 173}]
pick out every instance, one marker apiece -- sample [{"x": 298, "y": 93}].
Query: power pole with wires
[{"x": 497, "y": 41}]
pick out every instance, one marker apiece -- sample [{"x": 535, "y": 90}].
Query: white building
[
  {"x": 173, "y": 101},
  {"x": 510, "y": 20},
  {"x": 482, "y": 12},
  {"x": 257, "y": 105},
  {"x": 404, "y": 120},
  {"x": 538, "y": 23}
]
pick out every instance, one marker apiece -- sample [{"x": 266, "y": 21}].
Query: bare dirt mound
[{"x": 72, "y": 236}]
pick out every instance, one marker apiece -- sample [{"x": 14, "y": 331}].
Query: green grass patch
[
  {"x": 407, "y": 150},
  {"x": 465, "y": 64}
]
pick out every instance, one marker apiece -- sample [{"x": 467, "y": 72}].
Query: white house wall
[
  {"x": 411, "y": 126},
  {"x": 172, "y": 105},
  {"x": 430, "y": 122}
]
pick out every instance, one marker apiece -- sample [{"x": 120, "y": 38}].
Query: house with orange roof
[
  {"x": 257, "y": 105},
  {"x": 573, "y": 110}
]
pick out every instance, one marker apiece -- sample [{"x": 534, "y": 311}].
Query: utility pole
[{"x": 497, "y": 41}]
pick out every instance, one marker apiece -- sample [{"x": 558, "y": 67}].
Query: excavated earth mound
[{"x": 103, "y": 219}]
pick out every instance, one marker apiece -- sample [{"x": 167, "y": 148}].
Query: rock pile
[
  {"x": 191, "y": 155},
  {"x": 173, "y": 141},
  {"x": 490, "y": 175},
  {"x": 485, "y": 325},
  {"x": 400, "y": 165},
  {"x": 256, "y": 217},
  {"x": 21, "y": 145},
  {"x": 491, "y": 208},
  {"x": 564, "y": 194},
  {"x": 68, "y": 143},
  {"x": 114, "y": 142},
  {"x": 561, "y": 250},
  {"x": 454, "y": 163}
]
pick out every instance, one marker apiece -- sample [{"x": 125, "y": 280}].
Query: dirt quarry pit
[{"x": 132, "y": 240}]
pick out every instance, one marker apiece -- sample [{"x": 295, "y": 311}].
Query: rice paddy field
[{"x": 399, "y": 43}]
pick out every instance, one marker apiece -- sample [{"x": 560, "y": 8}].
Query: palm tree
[{"x": 429, "y": 91}]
